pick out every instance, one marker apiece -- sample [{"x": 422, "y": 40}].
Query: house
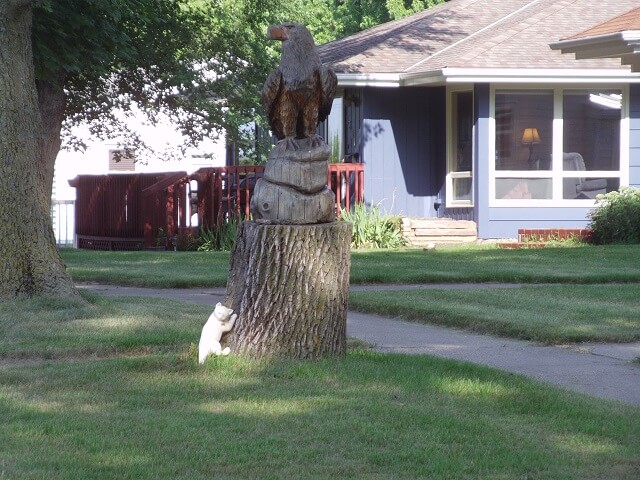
[
  {"x": 617, "y": 37},
  {"x": 465, "y": 111}
]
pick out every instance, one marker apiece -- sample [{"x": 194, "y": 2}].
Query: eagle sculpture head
[
  {"x": 299, "y": 56},
  {"x": 298, "y": 94}
]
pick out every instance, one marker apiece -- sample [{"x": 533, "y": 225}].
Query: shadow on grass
[
  {"x": 366, "y": 416},
  {"x": 49, "y": 328}
]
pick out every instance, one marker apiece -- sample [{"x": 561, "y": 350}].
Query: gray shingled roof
[
  {"x": 627, "y": 21},
  {"x": 618, "y": 37},
  {"x": 475, "y": 34}
]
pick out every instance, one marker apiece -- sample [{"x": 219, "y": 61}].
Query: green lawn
[
  {"x": 50, "y": 329},
  {"x": 582, "y": 264},
  {"x": 148, "y": 268},
  {"x": 579, "y": 264},
  {"x": 551, "y": 314},
  {"x": 592, "y": 308},
  {"x": 369, "y": 415}
]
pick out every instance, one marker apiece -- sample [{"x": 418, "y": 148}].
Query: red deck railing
[
  {"x": 347, "y": 182},
  {"x": 131, "y": 211}
]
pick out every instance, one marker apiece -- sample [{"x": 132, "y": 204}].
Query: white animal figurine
[{"x": 220, "y": 321}]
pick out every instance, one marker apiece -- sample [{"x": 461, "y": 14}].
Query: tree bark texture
[
  {"x": 289, "y": 285},
  {"x": 29, "y": 260}
]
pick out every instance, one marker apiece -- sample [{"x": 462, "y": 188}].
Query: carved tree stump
[
  {"x": 289, "y": 285},
  {"x": 294, "y": 187}
]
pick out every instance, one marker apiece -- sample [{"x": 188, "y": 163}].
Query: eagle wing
[
  {"x": 328, "y": 82},
  {"x": 270, "y": 97}
]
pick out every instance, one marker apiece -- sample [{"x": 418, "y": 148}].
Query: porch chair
[{"x": 579, "y": 187}]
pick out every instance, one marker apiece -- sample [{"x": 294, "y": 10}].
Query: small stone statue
[
  {"x": 296, "y": 97},
  {"x": 220, "y": 321}
]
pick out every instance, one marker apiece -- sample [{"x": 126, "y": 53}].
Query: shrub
[
  {"x": 186, "y": 241},
  {"x": 372, "y": 229},
  {"x": 221, "y": 237},
  {"x": 616, "y": 218}
]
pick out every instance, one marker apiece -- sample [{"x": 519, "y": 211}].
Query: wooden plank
[
  {"x": 444, "y": 232},
  {"x": 424, "y": 241},
  {"x": 164, "y": 183},
  {"x": 418, "y": 223}
]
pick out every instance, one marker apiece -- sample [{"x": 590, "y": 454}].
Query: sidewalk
[{"x": 601, "y": 370}]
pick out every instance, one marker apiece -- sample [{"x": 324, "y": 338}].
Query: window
[
  {"x": 556, "y": 145},
  {"x": 524, "y": 130},
  {"x": 591, "y": 142},
  {"x": 460, "y": 170}
]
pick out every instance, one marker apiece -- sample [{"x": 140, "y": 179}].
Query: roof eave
[
  {"x": 454, "y": 75},
  {"x": 539, "y": 75},
  {"x": 601, "y": 46},
  {"x": 391, "y": 80},
  {"x": 368, "y": 79}
]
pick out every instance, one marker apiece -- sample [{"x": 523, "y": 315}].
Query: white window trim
[
  {"x": 451, "y": 151},
  {"x": 556, "y": 173}
]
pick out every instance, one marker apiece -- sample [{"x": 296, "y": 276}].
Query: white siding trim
[{"x": 521, "y": 76}]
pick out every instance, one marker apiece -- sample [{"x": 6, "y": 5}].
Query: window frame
[
  {"x": 556, "y": 173},
  {"x": 451, "y": 149}
]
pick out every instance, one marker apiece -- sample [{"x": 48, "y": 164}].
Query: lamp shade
[{"x": 530, "y": 136}]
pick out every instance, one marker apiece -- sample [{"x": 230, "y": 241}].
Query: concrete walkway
[{"x": 601, "y": 370}]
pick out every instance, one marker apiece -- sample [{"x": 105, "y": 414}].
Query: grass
[
  {"x": 477, "y": 264},
  {"x": 552, "y": 314},
  {"x": 581, "y": 264},
  {"x": 368, "y": 415},
  {"x": 51, "y": 329},
  {"x": 149, "y": 268},
  {"x": 547, "y": 313}
]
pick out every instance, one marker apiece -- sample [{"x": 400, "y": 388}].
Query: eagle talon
[
  {"x": 315, "y": 141},
  {"x": 288, "y": 143}
]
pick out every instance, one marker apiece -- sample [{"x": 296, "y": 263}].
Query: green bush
[
  {"x": 616, "y": 218},
  {"x": 186, "y": 241},
  {"x": 221, "y": 237},
  {"x": 372, "y": 229}
]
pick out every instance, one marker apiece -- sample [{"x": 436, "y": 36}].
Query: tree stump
[
  {"x": 289, "y": 273},
  {"x": 289, "y": 285}
]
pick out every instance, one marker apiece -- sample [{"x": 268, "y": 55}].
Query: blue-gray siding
[
  {"x": 403, "y": 148},
  {"x": 481, "y": 96},
  {"x": 634, "y": 140}
]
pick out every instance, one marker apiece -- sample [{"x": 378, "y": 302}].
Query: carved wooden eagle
[{"x": 298, "y": 94}]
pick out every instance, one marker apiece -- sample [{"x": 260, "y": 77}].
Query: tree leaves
[{"x": 202, "y": 62}]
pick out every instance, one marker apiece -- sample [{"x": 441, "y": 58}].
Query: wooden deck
[{"x": 131, "y": 211}]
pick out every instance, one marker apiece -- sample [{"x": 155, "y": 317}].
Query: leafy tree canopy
[
  {"x": 202, "y": 62},
  {"x": 185, "y": 58}
]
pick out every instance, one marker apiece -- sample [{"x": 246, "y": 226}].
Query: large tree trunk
[
  {"x": 289, "y": 285},
  {"x": 29, "y": 260}
]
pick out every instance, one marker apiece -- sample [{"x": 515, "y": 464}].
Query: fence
[
  {"x": 111, "y": 212},
  {"x": 63, "y": 220},
  {"x": 133, "y": 211}
]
